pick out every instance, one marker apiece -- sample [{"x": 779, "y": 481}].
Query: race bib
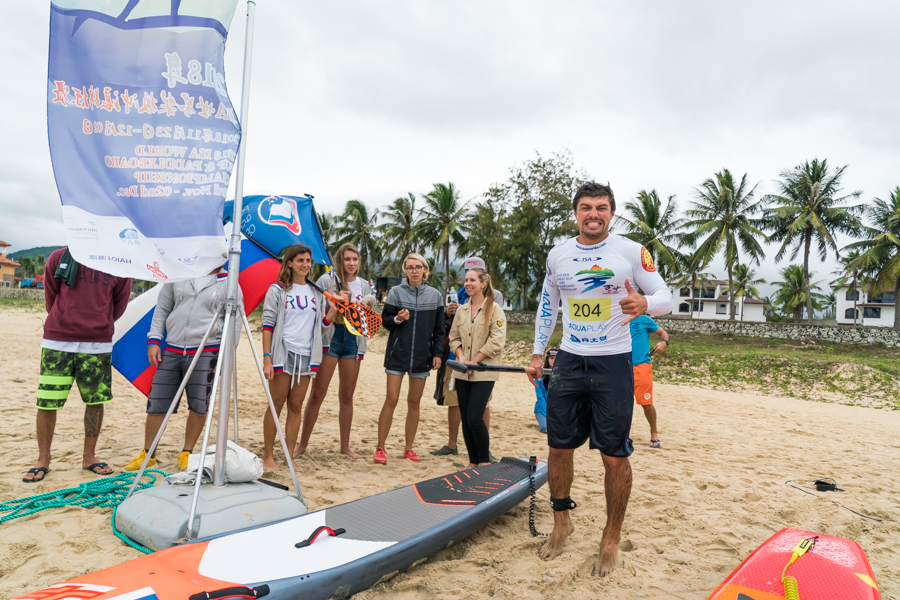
[{"x": 590, "y": 309}]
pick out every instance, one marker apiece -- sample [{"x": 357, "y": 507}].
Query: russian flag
[{"x": 129, "y": 356}]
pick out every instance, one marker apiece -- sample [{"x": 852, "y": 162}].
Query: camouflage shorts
[{"x": 59, "y": 370}]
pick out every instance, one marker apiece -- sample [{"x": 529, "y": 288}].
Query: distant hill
[{"x": 45, "y": 250}]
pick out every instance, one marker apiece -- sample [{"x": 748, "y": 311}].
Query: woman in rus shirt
[
  {"x": 478, "y": 335},
  {"x": 294, "y": 316}
]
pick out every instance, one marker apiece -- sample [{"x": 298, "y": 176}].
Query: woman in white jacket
[{"x": 294, "y": 317}]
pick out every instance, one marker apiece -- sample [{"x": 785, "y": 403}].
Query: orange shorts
[{"x": 643, "y": 384}]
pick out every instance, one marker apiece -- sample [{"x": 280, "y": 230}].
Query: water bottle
[{"x": 454, "y": 298}]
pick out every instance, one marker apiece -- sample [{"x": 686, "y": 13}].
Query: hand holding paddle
[
  {"x": 537, "y": 364},
  {"x": 633, "y": 304},
  {"x": 481, "y": 367},
  {"x": 359, "y": 318}
]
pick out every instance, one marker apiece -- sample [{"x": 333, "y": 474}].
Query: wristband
[
  {"x": 266, "y": 354},
  {"x": 666, "y": 342}
]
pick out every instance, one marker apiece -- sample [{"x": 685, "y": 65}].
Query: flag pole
[{"x": 227, "y": 355}]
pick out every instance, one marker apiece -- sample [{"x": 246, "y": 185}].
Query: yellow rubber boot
[
  {"x": 183, "y": 461},
  {"x": 135, "y": 464}
]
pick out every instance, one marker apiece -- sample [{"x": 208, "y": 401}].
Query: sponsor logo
[
  {"x": 594, "y": 277},
  {"x": 130, "y": 237},
  {"x": 82, "y": 233},
  {"x": 68, "y": 591},
  {"x": 647, "y": 260},
  {"x": 159, "y": 250},
  {"x": 110, "y": 259},
  {"x": 613, "y": 289},
  {"x": 585, "y": 340},
  {"x": 155, "y": 270},
  {"x": 281, "y": 212},
  {"x": 646, "y": 396},
  {"x": 587, "y": 259},
  {"x": 188, "y": 261}
]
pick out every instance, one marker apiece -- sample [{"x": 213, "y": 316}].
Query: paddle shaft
[{"x": 466, "y": 367}]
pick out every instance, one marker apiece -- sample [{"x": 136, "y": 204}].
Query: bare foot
[
  {"x": 297, "y": 468},
  {"x": 351, "y": 454},
  {"x": 298, "y": 450},
  {"x": 269, "y": 464},
  {"x": 553, "y": 547},
  {"x": 607, "y": 560},
  {"x": 466, "y": 468}
]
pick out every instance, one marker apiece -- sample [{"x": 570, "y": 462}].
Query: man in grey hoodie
[{"x": 183, "y": 312}]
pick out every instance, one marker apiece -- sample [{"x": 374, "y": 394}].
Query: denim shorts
[
  {"x": 411, "y": 375},
  {"x": 343, "y": 344}
]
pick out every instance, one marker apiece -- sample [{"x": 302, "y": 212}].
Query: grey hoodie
[
  {"x": 183, "y": 314},
  {"x": 273, "y": 320},
  {"x": 329, "y": 282}
]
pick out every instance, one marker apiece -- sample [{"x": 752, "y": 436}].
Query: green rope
[{"x": 100, "y": 493}]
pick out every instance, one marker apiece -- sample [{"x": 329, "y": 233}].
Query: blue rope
[{"x": 101, "y": 493}]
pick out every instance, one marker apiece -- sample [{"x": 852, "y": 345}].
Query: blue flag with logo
[
  {"x": 143, "y": 136},
  {"x": 276, "y": 222}
]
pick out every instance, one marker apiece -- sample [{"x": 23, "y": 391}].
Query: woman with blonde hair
[
  {"x": 341, "y": 349},
  {"x": 414, "y": 315},
  {"x": 478, "y": 335},
  {"x": 294, "y": 318}
]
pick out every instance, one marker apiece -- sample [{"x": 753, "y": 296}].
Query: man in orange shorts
[{"x": 641, "y": 327}]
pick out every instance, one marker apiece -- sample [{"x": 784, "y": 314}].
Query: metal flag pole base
[{"x": 168, "y": 514}]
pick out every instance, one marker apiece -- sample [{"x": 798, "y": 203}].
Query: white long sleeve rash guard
[{"x": 590, "y": 281}]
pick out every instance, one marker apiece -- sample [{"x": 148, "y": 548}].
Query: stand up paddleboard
[
  {"x": 832, "y": 569},
  {"x": 330, "y": 553}
]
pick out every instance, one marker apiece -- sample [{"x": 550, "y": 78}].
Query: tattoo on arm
[{"x": 93, "y": 420}]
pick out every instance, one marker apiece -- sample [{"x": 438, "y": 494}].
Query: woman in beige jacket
[{"x": 478, "y": 335}]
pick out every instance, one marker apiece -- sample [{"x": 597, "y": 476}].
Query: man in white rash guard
[{"x": 591, "y": 392}]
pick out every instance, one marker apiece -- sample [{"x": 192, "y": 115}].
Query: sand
[{"x": 699, "y": 506}]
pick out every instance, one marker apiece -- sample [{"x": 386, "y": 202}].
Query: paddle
[
  {"x": 466, "y": 367},
  {"x": 358, "y": 318}
]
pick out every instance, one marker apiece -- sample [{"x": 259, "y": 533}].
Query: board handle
[
  {"x": 233, "y": 592},
  {"x": 308, "y": 541}
]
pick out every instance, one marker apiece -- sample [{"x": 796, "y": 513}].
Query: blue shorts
[
  {"x": 411, "y": 375},
  {"x": 343, "y": 344}
]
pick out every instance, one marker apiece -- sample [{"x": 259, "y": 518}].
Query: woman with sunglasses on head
[
  {"x": 540, "y": 406},
  {"x": 414, "y": 315},
  {"x": 478, "y": 335},
  {"x": 294, "y": 318},
  {"x": 342, "y": 349}
]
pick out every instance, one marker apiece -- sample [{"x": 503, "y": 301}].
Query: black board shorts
[{"x": 591, "y": 397}]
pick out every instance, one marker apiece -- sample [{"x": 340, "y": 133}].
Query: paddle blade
[{"x": 359, "y": 319}]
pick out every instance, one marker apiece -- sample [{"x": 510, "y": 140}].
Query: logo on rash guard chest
[
  {"x": 594, "y": 277},
  {"x": 279, "y": 211}
]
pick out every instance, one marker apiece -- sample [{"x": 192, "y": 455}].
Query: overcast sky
[{"x": 371, "y": 100}]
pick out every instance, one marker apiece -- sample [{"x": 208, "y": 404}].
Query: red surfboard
[{"x": 835, "y": 569}]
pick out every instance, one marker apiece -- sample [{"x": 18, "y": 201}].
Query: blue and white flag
[
  {"x": 143, "y": 137},
  {"x": 276, "y": 222}
]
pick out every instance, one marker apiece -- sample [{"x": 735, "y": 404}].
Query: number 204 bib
[{"x": 590, "y": 309}]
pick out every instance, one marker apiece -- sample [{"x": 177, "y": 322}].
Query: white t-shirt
[
  {"x": 78, "y": 347},
  {"x": 299, "y": 319},
  {"x": 356, "y": 289},
  {"x": 590, "y": 281}
]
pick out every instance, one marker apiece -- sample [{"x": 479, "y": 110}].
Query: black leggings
[{"x": 473, "y": 397}]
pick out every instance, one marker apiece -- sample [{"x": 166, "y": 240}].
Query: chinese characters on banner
[{"x": 143, "y": 136}]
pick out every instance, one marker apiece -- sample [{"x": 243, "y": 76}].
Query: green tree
[
  {"x": 358, "y": 225},
  {"x": 745, "y": 282},
  {"x": 486, "y": 236},
  {"x": 880, "y": 253},
  {"x": 721, "y": 220},
  {"x": 655, "y": 227},
  {"x": 442, "y": 221},
  {"x": 810, "y": 208},
  {"x": 791, "y": 296},
  {"x": 400, "y": 231},
  {"x": 537, "y": 203},
  {"x": 693, "y": 277}
]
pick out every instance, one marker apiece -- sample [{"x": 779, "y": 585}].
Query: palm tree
[
  {"x": 28, "y": 266},
  {"x": 327, "y": 221},
  {"x": 745, "y": 283},
  {"x": 693, "y": 277},
  {"x": 442, "y": 220},
  {"x": 810, "y": 207},
  {"x": 832, "y": 304},
  {"x": 399, "y": 234},
  {"x": 654, "y": 227},
  {"x": 359, "y": 226},
  {"x": 721, "y": 217},
  {"x": 853, "y": 274},
  {"x": 485, "y": 236},
  {"x": 881, "y": 252},
  {"x": 791, "y": 296}
]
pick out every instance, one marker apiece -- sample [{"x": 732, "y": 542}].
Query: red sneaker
[
  {"x": 380, "y": 456},
  {"x": 411, "y": 455}
]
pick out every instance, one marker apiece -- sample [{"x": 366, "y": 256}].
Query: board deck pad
[
  {"x": 383, "y": 534},
  {"x": 835, "y": 569}
]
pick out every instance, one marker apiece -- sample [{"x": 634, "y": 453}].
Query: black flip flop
[
  {"x": 98, "y": 465},
  {"x": 35, "y": 471}
]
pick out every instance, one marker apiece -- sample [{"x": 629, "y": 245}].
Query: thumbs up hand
[{"x": 633, "y": 305}]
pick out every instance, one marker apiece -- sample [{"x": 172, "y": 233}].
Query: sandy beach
[{"x": 712, "y": 494}]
